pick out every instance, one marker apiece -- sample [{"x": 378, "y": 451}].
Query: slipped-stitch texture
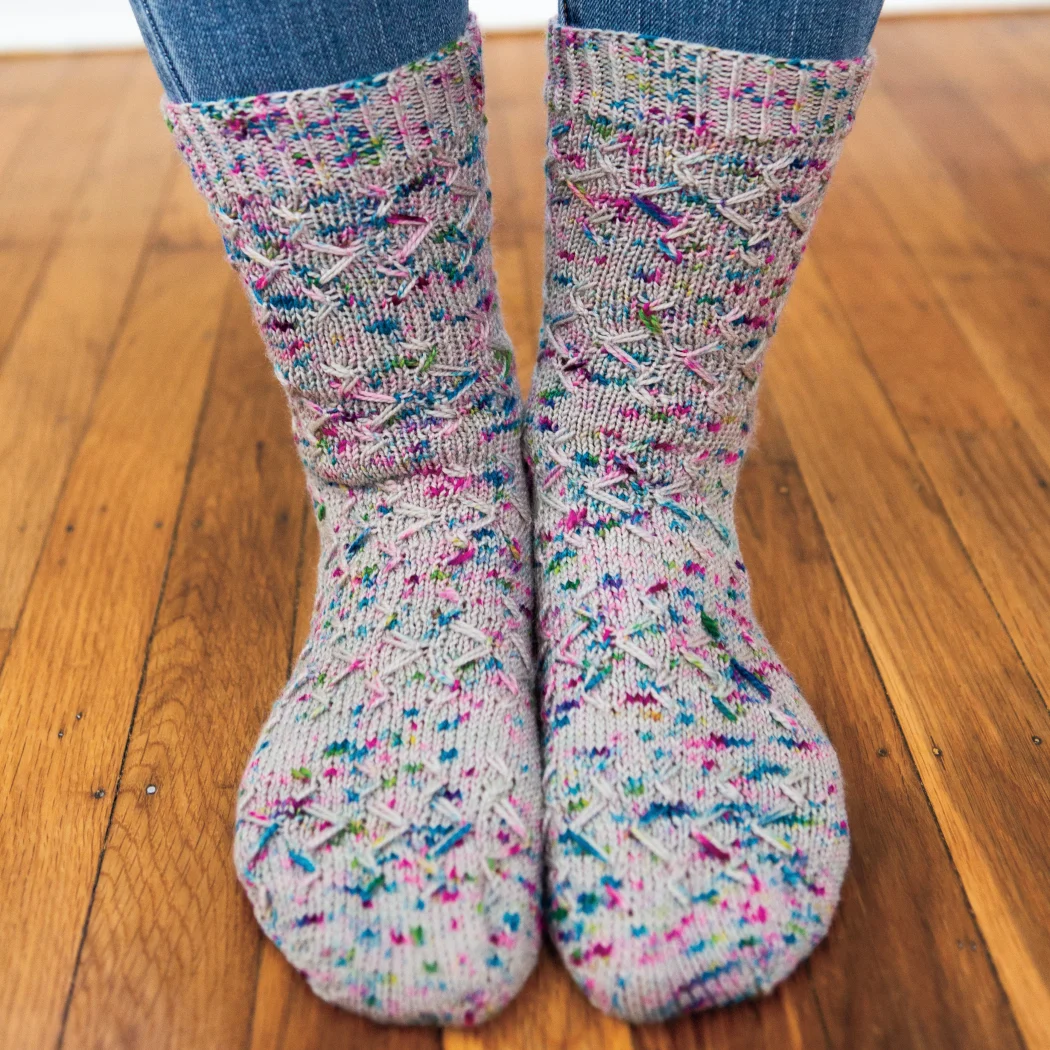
[
  {"x": 696, "y": 832},
  {"x": 388, "y": 821}
]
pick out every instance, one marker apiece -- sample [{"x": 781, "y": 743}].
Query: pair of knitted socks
[{"x": 398, "y": 825}]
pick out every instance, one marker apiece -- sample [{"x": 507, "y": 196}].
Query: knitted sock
[
  {"x": 388, "y": 821},
  {"x": 696, "y": 832}
]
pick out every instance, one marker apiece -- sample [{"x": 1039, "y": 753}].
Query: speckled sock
[
  {"x": 696, "y": 832},
  {"x": 388, "y": 821}
]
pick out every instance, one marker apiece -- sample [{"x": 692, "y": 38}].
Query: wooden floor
[{"x": 155, "y": 559}]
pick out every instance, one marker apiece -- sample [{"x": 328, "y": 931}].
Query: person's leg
[
  {"x": 210, "y": 49},
  {"x": 784, "y": 28},
  {"x": 696, "y": 831},
  {"x": 388, "y": 822}
]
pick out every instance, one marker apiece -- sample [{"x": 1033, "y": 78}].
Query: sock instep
[
  {"x": 388, "y": 821},
  {"x": 696, "y": 831}
]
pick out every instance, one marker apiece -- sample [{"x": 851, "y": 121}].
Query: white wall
[{"x": 55, "y": 25}]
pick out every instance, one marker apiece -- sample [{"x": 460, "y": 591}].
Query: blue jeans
[
  {"x": 209, "y": 49},
  {"x": 782, "y": 28}
]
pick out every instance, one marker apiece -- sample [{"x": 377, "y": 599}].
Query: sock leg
[
  {"x": 696, "y": 830},
  {"x": 388, "y": 821}
]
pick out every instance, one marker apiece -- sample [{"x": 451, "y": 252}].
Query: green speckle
[{"x": 722, "y": 707}]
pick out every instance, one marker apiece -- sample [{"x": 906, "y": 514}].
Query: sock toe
[
  {"x": 647, "y": 940},
  {"x": 437, "y": 925}
]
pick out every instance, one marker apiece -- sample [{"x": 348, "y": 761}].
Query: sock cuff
[
  {"x": 239, "y": 147},
  {"x": 626, "y": 79}
]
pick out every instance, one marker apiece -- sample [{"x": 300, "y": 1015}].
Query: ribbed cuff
[
  {"x": 632, "y": 79},
  {"x": 237, "y": 148}
]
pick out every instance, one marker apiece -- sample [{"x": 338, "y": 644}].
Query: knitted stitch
[
  {"x": 696, "y": 832},
  {"x": 388, "y": 821}
]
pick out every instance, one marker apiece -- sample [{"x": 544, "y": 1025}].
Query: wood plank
[
  {"x": 1003, "y": 311},
  {"x": 987, "y": 122},
  {"x": 26, "y": 88},
  {"x": 528, "y": 135},
  {"x": 551, "y": 1012},
  {"x": 973, "y": 314},
  {"x": 923, "y": 361},
  {"x": 515, "y": 65},
  {"x": 515, "y": 68},
  {"x": 169, "y": 922},
  {"x": 936, "y": 221},
  {"x": 1001, "y": 192},
  {"x": 1027, "y": 42},
  {"x": 787, "y": 1019},
  {"x": 49, "y": 377},
  {"x": 956, "y": 419},
  {"x": 288, "y": 1016},
  {"x": 503, "y": 178},
  {"x": 39, "y": 188},
  {"x": 929, "y": 985},
  {"x": 516, "y": 299},
  {"x": 967, "y": 708},
  {"x": 996, "y": 489},
  {"x": 70, "y": 681},
  {"x": 1005, "y": 78}
]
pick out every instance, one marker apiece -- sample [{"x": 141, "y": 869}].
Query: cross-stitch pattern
[
  {"x": 388, "y": 821},
  {"x": 696, "y": 829}
]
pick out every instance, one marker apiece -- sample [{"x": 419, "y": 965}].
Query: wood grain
[
  {"x": 551, "y": 1012},
  {"x": 42, "y": 179},
  {"x": 70, "y": 680},
  {"x": 79, "y": 302},
  {"x": 938, "y": 100},
  {"x": 169, "y": 923},
  {"x": 1003, "y": 79},
  {"x": 899, "y": 906},
  {"x": 984, "y": 467},
  {"x": 26, "y": 87},
  {"x": 998, "y": 296},
  {"x": 157, "y": 566},
  {"x": 516, "y": 173},
  {"x": 966, "y": 705},
  {"x": 288, "y": 1016}
]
